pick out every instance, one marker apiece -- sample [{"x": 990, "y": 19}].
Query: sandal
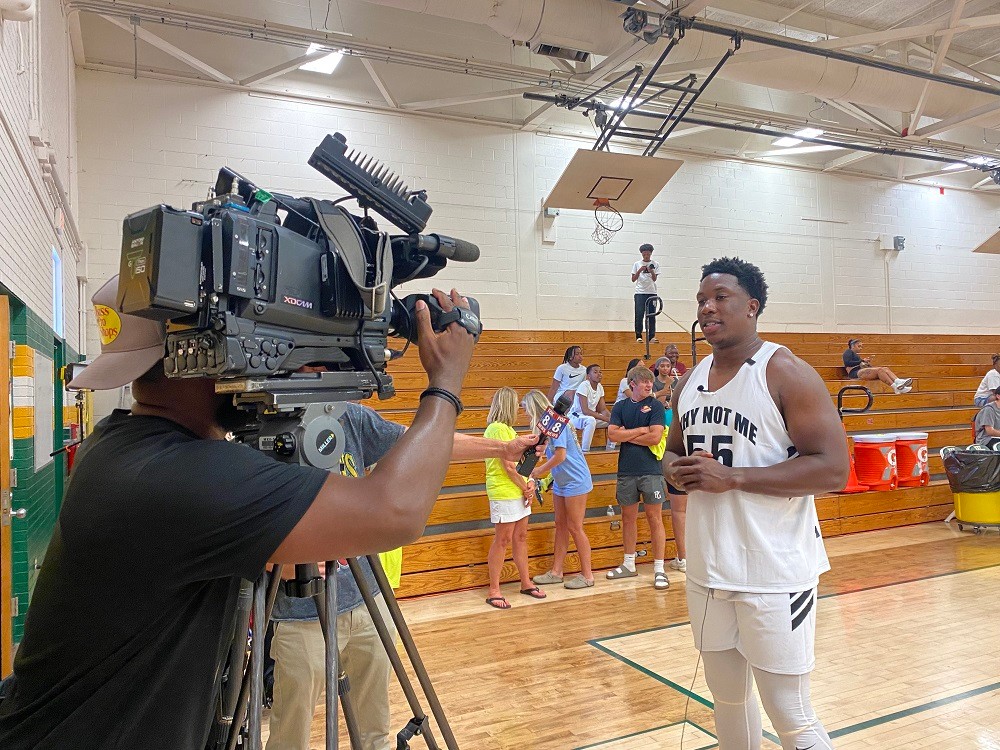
[
  {"x": 546, "y": 578},
  {"x": 578, "y": 582},
  {"x": 621, "y": 572},
  {"x": 498, "y": 601},
  {"x": 534, "y": 592},
  {"x": 661, "y": 582}
]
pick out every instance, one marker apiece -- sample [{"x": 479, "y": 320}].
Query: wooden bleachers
[{"x": 946, "y": 369}]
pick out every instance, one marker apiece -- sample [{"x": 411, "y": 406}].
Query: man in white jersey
[{"x": 754, "y": 437}]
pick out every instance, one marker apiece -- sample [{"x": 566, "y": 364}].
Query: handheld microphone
[
  {"x": 701, "y": 389},
  {"x": 552, "y": 423}
]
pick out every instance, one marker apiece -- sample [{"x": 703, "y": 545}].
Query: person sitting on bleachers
[
  {"x": 988, "y": 422},
  {"x": 569, "y": 375},
  {"x": 589, "y": 412},
  {"x": 860, "y": 368},
  {"x": 989, "y": 383},
  {"x": 624, "y": 390}
]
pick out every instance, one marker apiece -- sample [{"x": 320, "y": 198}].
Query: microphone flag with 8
[{"x": 551, "y": 425}]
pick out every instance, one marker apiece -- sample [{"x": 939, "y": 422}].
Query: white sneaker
[
  {"x": 638, "y": 339},
  {"x": 678, "y": 564},
  {"x": 906, "y": 389}
]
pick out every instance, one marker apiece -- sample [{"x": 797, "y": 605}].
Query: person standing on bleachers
[
  {"x": 589, "y": 411},
  {"x": 860, "y": 368},
  {"x": 989, "y": 383},
  {"x": 569, "y": 375},
  {"x": 644, "y": 273},
  {"x": 510, "y": 497},
  {"x": 988, "y": 422}
]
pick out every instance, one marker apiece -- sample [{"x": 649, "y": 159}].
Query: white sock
[
  {"x": 629, "y": 562},
  {"x": 658, "y": 566}
]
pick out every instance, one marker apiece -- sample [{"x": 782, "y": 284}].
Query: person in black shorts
[
  {"x": 637, "y": 424},
  {"x": 860, "y": 368}
]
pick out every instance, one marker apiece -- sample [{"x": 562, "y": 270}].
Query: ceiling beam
[
  {"x": 862, "y": 115},
  {"x": 951, "y": 61},
  {"x": 693, "y": 130},
  {"x": 457, "y": 101},
  {"x": 846, "y": 159},
  {"x": 938, "y": 173},
  {"x": 963, "y": 118},
  {"x": 380, "y": 84},
  {"x": 76, "y": 38},
  {"x": 939, "y": 28},
  {"x": 164, "y": 46},
  {"x": 566, "y": 65},
  {"x": 939, "y": 57},
  {"x": 286, "y": 67},
  {"x": 797, "y": 151},
  {"x": 982, "y": 182}
]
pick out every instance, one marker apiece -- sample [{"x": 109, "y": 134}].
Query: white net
[{"x": 607, "y": 223}]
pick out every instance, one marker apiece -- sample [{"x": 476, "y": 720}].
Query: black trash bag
[{"x": 972, "y": 471}]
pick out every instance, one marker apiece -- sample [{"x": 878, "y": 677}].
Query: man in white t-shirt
[
  {"x": 989, "y": 383},
  {"x": 569, "y": 374},
  {"x": 644, "y": 273},
  {"x": 589, "y": 410}
]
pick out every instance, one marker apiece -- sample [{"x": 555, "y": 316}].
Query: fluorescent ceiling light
[
  {"x": 975, "y": 161},
  {"x": 621, "y": 103},
  {"x": 326, "y": 64},
  {"x": 788, "y": 140}
]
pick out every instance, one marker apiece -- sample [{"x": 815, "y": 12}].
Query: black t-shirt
[
  {"x": 135, "y": 602},
  {"x": 637, "y": 460},
  {"x": 851, "y": 359}
]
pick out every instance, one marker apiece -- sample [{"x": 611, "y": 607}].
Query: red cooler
[
  {"x": 875, "y": 458},
  {"x": 911, "y": 459}
]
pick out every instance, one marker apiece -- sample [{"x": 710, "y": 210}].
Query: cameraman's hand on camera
[{"x": 445, "y": 355}]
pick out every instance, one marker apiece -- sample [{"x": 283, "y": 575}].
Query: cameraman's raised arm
[{"x": 390, "y": 507}]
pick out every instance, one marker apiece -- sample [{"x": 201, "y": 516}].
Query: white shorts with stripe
[{"x": 774, "y": 632}]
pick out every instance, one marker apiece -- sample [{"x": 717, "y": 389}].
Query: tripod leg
[
  {"x": 387, "y": 642},
  {"x": 257, "y": 662},
  {"x": 350, "y": 719},
  {"x": 328, "y": 620},
  {"x": 411, "y": 651}
]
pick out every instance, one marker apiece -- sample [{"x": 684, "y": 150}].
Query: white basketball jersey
[{"x": 740, "y": 541}]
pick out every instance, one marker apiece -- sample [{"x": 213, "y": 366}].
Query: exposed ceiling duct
[
  {"x": 17, "y": 10},
  {"x": 595, "y": 26}
]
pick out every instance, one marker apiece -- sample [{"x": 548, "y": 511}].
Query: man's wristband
[{"x": 446, "y": 395}]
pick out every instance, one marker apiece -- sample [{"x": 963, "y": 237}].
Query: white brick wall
[
  {"x": 147, "y": 142},
  {"x": 36, "y": 84}
]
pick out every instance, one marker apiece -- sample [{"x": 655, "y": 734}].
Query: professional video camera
[{"x": 257, "y": 284}]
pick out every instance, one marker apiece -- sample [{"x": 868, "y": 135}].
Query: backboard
[
  {"x": 629, "y": 183},
  {"x": 990, "y": 245}
]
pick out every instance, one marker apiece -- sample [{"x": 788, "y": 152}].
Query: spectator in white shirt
[
  {"x": 569, "y": 374},
  {"x": 589, "y": 410},
  {"x": 644, "y": 273},
  {"x": 624, "y": 390},
  {"x": 990, "y": 382}
]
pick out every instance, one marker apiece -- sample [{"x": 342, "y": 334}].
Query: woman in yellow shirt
[{"x": 510, "y": 497}]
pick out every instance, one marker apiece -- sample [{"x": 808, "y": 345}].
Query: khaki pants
[{"x": 298, "y": 651}]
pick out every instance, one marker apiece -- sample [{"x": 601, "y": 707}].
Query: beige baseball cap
[{"x": 130, "y": 345}]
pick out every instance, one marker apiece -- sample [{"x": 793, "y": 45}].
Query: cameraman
[{"x": 135, "y": 603}]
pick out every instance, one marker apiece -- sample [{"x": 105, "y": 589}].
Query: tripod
[{"x": 298, "y": 422}]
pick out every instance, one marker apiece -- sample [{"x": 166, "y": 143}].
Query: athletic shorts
[
  {"x": 508, "y": 511},
  {"x": 774, "y": 632},
  {"x": 671, "y": 490},
  {"x": 652, "y": 488}
]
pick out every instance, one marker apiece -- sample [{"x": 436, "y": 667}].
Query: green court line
[
  {"x": 902, "y": 714},
  {"x": 598, "y": 643},
  {"x": 654, "y": 729}
]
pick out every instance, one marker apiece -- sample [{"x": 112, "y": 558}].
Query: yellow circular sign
[{"x": 109, "y": 323}]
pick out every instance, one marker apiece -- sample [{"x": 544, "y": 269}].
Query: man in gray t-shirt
[
  {"x": 297, "y": 646},
  {"x": 988, "y": 422}
]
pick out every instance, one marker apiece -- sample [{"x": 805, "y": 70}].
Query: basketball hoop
[{"x": 608, "y": 221}]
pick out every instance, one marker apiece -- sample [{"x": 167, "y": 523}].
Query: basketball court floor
[{"x": 908, "y": 655}]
